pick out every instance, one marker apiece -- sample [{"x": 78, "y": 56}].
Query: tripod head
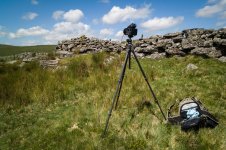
[{"x": 129, "y": 41}]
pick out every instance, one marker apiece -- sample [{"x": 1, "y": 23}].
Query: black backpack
[{"x": 192, "y": 115}]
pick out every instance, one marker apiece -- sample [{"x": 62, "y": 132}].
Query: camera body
[{"x": 131, "y": 30}]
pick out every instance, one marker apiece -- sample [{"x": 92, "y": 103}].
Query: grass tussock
[{"x": 67, "y": 108}]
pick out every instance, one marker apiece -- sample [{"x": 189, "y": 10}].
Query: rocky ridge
[{"x": 208, "y": 43}]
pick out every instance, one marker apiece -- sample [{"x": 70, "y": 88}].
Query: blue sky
[{"x": 33, "y": 22}]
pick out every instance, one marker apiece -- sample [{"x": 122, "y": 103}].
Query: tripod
[{"x": 119, "y": 86}]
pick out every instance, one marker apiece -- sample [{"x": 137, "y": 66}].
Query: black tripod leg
[
  {"x": 117, "y": 92},
  {"x": 122, "y": 77},
  {"x": 152, "y": 92},
  {"x": 129, "y": 59}
]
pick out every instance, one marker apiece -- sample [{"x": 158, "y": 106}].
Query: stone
[
  {"x": 70, "y": 46},
  {"x": 156, "y": 56},
  {"x": 64, "y": 47},
  {"x": 144, "y": 45},
  {"x": 217, "y": 41},
  {"x": 140, "y": 55},
  {"x": 83, "y": 50},
  {"x": 26, "y": 60},
  {"x": 138, "y": 49},
  {"x": 22, "y": 64},
  {"x": 191, "y": 67},
  {"x": 49, "y": 63},
  {"x": 11, "y": 62},
  {"x": 151, "y": 49},
  {"x": 171, "y": 35},
  {"x": 208, "y": 43},
  {"x": 223, "y": 42},
  {"x": 175, "y": 51},
  {"x": 208, "y": 52},
  {"x": 177, "y": 39},
  {"x": 63, "y": 54},
  {"x": 215, "y": 53},
  {"x": 187, "y": 44},
  {"x": 222, "y": 59}
]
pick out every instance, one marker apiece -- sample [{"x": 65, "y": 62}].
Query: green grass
[
  {"x": 7, "y": 50},
  {"x": 67, "y": 108}
]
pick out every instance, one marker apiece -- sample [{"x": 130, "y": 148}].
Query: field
[
  {"x": 67, "y": 108},
  {"x": 7, "y": 50}
]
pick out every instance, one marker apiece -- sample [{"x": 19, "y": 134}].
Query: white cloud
[
  {"x": 220, "y": 24},
  {"x": 211, "y": 1},
  {"x": 106, "y": 31},
  {"x": 70, "y": 27},
  {"x": 95, "y": 21},
  {"x": 34, "y": 2},
  {"x": 223, "y": 15},
  {"x": 117, "y": 14},
  {"x": 30, "y": 16},
  {"x": 73, "y": 15},
  {"x": 30, "y": 43},
  {"x": 2, "y": 33},
  {"x": 119, "y": 34},
  {"x": 211, "y": 10},
  {"x": 33, "y": 31},
  {"x": 105, "y": 1},
  {"x": 1, "y": 27},
  {"x": 161, "y": 23},
  {"x": 58, "y": 14},
  {"x": 67, "y": 30}
]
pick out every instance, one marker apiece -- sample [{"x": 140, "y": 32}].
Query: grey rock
[
  {"x": 156, "y": 56},
  {"x": 223, "y": 42},
  {"x": 222, "y": 59},
  {"x": 208, "y": 43},
  {"x": 64, "y": 47},
  {"x": 175, "y": 51},
  {"x": 191, "y": 67},
  {"x": 171, "y": 35},
  {"x": 217, "y": 41},
  {"x": 70, "y": 46},
  {"x": 83, "y": 50},
  {"x": 140, "y": 55},
  {"x": 138, "y": 49},
  {"x": 209, "y": 52},
  {"x": 151, "y": 49},
  {"x": 144, "y": 45},
  {"x": 186, "y": 44},
  {"x": 63, "y": 54},
  {"x": 22, "y": 64},
  {"x": 11, "y": 62},
  {"x": 178, "y": 39},
  {"x": 215, "y": 53},
  {"x": 49, "y": 63}
]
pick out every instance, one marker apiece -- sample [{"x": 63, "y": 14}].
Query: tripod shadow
[
  {"x": 141, "y": 105},
  {"x": 146, "y": 104}
]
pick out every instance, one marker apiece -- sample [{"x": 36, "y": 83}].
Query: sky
[{"x": 40, "y": 22}]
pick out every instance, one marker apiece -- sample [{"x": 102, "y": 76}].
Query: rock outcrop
[
  {"x": 84, "y": 44},
  {"x": 207, "y": 43}
]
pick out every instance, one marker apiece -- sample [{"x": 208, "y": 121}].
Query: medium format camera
[{"x": 131, "y": 30}]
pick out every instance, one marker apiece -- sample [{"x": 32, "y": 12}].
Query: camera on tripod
[{"x": 131, "y": 30}]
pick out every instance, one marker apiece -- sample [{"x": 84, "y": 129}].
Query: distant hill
[{"x": 7, "y": 50}]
